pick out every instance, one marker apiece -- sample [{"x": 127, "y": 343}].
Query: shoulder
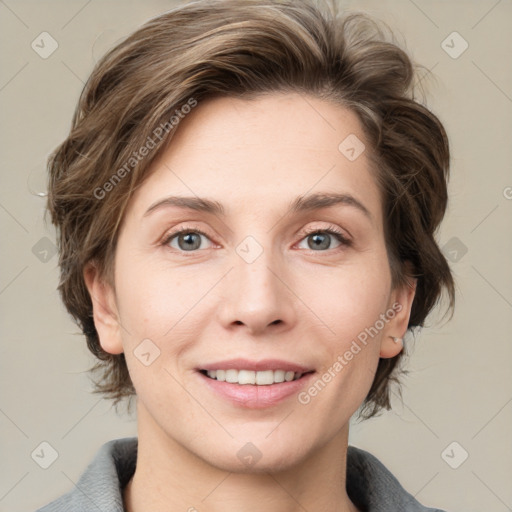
[
  {"x": 372, "y": 487},
  {"x": 100, "y": 485}
]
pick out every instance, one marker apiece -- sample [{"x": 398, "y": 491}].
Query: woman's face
[{"x": 264, "y": 278}]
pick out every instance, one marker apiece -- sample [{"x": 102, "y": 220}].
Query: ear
[
  {"x": 105, "y": 314},
  {"x": 401, "y": 300}
]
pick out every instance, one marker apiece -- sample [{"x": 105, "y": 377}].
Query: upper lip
[{"x": 261, "y": 365}]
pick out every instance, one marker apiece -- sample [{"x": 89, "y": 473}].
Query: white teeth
[
  {"x": 247, "y": 377},
  {"x": 279, "y": 376},
  {"x": 232, "y": 376},
  {"x": 262, "y": 378}
]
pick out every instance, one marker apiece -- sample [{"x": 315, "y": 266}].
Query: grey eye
[
  {"x": 321, "y": 241},
  {"x": 188, "y": 241}
]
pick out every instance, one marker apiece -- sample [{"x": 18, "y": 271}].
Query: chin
[{"x": 264, "y": 456}]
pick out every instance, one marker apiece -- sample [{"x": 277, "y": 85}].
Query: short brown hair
[{"x": 243, "y": 48}]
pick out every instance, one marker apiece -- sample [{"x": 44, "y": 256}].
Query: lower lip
[{"x": 252, "y": 396}]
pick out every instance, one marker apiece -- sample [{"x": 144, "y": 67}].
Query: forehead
[{"x": 263, "y": 153}]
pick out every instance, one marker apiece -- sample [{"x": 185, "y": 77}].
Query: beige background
[{"x": 460, "y": 386}]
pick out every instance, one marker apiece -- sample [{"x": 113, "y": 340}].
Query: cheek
[
  {"x": 349, "y": 303},
  {"x": 154, "y": 300},
  {"x": 348, "y": 299},
  {"x": 157, "y": 302},
  {"x": 157, "y": 309}
]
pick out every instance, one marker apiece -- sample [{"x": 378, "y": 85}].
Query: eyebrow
[
  {"x": 300, "y": 204},
  {"x": 326, "y": 200}
]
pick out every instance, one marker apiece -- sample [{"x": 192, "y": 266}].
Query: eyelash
[
  {"x": 331, "y": 230},
  {"x": 167, "y": 239}
]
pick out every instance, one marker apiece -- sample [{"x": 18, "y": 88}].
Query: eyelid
[
  {"x": 173, "y": 233},
  {"x": 332, "y": 229}
]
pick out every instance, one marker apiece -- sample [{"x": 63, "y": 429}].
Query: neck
[{"x": 170, "y": 477}]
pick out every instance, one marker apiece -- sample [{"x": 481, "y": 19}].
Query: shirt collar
[{"x": 369, "y": 483}]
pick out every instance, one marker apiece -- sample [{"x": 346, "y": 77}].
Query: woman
[{"x": 246, "y": 205}]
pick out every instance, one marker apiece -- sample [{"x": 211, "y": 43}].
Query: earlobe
[
  {"x": 104, "y": 310},
  {"x": 391, "y": 346},
  {"x": 402, "y": 299}
]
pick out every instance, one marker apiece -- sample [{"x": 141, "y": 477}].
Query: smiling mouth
[{"x": 255, "y": 378}]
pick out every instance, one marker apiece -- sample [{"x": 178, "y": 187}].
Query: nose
[{"x": 257, "y": 297}]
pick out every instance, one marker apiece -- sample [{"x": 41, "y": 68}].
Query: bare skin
[{"x": 297, "y": 302}]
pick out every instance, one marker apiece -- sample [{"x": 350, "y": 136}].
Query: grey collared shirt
[{"x": 369, "y": 484}]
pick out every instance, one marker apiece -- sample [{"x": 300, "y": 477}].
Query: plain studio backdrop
[{"x": 450, "y": 441}]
